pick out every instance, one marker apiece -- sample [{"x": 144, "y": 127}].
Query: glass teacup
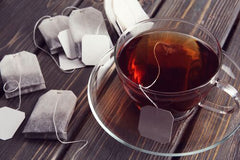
[{"x": 171, "y": 64}]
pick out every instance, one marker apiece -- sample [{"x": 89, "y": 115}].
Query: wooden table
[{"x": 17, "y": 19}]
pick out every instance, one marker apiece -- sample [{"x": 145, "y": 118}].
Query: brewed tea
[{"x": 185, "y": 62}]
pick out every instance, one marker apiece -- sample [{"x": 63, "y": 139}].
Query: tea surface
[{"x": 185, "y": 62}]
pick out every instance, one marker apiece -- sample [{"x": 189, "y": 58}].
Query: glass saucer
[{"x": 118, "y": 115}]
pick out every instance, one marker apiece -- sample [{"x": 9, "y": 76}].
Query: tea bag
[
  {"x": 50, "y": 29},
  {"x": 22, "y": 65},
  {"x": 51, "y": 113},
  {"x": 155, "y": 123},
  {"x": 128, "y": 13},
  {"x": 86, "y": 21}
]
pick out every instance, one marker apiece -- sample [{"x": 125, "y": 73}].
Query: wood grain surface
[{"x": 16, "y": 25}]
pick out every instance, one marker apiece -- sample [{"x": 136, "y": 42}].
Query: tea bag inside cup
[
  {"x": 22, "y": 65},
  {"x": 50, "y": 29},
  {"x": 86, "y": 21},
  {"x": 53, "y": 109}
]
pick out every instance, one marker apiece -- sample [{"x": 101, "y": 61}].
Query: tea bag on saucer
[
  {"x": 22, "y": 65},
  {"x": 128, "y": 13},
  {"x": 51, "y": 113},
  {"x": 86, "y": 21},
  {"x": 50, "y": 28}
]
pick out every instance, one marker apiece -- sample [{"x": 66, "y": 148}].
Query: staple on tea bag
[
  {"x": 128, "y": 13},
  {"x": 24, "y": 66}
]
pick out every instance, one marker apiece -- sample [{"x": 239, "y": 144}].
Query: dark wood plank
[
  {"x": 230, "y": 148},
  {"x": 20, "y": 38},
  {"x": 203, "y": 12},
  {"x": 219, "y": 20}
]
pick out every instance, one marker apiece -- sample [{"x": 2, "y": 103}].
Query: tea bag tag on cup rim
[
  {"x": 156, "y": 124},
  {"x": 10, "y": 120}
]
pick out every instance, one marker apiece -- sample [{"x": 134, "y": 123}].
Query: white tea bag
[
  {"x": 10, "y": 120},
  {"x": 128, "y": 13},
  {"x": 94, "y": 47},
  {"x": 86, "y": 21},
  {"x": 50, "y": 29},
  {"x": 22, "y": 66},
  {"x": 53, "y": 110}
]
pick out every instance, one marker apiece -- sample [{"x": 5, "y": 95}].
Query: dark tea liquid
[{"x": 185, "y": 62}]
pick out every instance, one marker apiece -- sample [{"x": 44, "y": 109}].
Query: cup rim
[{"x": 119, "y": 70}]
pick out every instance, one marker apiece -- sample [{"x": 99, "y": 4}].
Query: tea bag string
[
  {"x": 99, "y": 26},
  {"x": 42, "y": 49},
  {"x": 18, "y": 87},
  {"x": 158, "y": 74},
  {"x": 67, "y": 8},
  {"x": 56, "y": 132}
]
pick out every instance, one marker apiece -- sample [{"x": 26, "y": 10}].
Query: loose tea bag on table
[
  {"x": 86, "y": 21},
  {"x": 50, "y": 28},
  {"x": 23, "y": 68},
  {"x": 53, "y": 109}
]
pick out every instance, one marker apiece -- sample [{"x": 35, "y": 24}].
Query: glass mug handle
[{"x": 230, "y": 90}]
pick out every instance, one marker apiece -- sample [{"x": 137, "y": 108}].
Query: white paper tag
[
  {"x": 128, "y": 13},
  {"x": 10, "y": 120},
  {"x": 68, "y": 64},
  {"x": 68, "y": 45},
  {"x": 94, "y": 47},
  {"x": 156, "y": 124}
]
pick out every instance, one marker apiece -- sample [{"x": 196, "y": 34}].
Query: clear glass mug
[{"x": 181, "y": 102}]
